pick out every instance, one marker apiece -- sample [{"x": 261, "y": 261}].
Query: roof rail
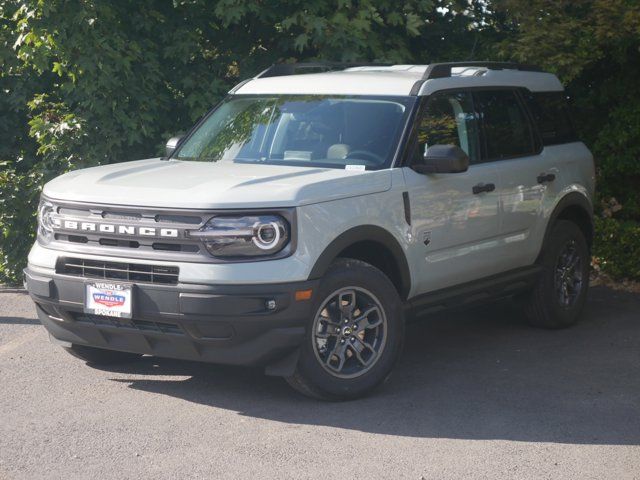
[
  {"x": 443, "y": 70},
  {"x": 280, "y": 69}
]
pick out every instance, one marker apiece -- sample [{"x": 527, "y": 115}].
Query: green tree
[
  {"x": 594, "y": 47},
  {"x": 85, "y": 83},
  {"x": 89, "y": 83}
]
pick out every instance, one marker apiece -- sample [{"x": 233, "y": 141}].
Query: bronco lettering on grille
[{"x": 114, "y": 229}]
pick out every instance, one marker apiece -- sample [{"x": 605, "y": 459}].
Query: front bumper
[{"x": 228, "y": 324}]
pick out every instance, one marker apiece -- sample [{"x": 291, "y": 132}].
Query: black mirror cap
[
  {"x": 171, "y": 145},
  {"x": 443, "y": 159}
]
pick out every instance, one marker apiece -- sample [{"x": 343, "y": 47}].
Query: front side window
[
  {"x": 301, "y": 130},
  {"x": 505, "y": 125},
  {"x": 449, "y": 119}
]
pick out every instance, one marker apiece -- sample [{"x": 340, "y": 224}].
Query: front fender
[{"x": 370, "y": 233}]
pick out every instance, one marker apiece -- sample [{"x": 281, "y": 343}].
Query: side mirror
[
  {"x": 443, "y": 159},
  {"x": 171, "y": 145}
]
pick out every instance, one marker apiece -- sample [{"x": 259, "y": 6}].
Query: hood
[{"x": 206, "y": 185}]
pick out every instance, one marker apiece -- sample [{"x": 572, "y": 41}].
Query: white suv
[{"x": 303, "y": 219}]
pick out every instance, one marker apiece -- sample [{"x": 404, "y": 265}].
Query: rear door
[
  {"x": 526, "y": 172},
  {"x": 453, "y": 229}
]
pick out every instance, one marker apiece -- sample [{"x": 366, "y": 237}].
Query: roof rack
[
  {"x": 443, "y": 70},
  {"x": 432, "y": 71},
  {"x": 280, "y": 69}
]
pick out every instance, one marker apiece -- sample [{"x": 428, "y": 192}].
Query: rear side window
[
  {"x": 551, "y": 113},
  {"x": 506, "y": 128}
]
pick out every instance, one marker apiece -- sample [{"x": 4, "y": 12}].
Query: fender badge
[{"x": 426, "y": 238}]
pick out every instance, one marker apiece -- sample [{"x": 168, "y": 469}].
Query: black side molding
[{"x": 478, "y": 291}]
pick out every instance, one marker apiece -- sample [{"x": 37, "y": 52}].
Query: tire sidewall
[{"x": 562, "y": 233}]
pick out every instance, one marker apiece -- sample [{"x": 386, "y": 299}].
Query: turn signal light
[{"x": 303, "y": 295}]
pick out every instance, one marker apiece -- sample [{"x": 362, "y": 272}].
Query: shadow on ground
[
  {"x": 18, "y": 321},
  {"x": 481, "y": 374}
]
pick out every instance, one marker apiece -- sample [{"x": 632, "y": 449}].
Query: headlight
[
  {"x": 248, "y": 236},
  {"x": 46, "y": 220}
]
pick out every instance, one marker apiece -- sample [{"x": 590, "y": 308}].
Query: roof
[{"x": 396, "y": 80}]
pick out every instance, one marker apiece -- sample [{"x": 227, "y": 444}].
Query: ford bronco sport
[{"x": 303, "y": 219}]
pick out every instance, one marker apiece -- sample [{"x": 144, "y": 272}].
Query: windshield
[{"x": 316, "y": 131}]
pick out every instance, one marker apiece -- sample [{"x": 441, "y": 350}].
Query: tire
[
  {"x": 343, "y": 358},
  {"x": 99, "y": 356},
  {"x": 550, "y": 304}
]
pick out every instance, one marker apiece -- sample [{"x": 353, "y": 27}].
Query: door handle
[
  {"x": 483, "y": 187},
  {"x": 546, "y": 177}
]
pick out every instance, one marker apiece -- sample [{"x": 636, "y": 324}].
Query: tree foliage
[
  {"x": 594, "y": 46},
  {"x": 84, "y": 82}
]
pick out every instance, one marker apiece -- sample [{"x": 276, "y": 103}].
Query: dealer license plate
[{"x": 107, "y": 298}]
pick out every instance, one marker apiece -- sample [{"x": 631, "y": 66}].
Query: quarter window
[
  {"x": 507, "y": 131},
  {"x": 450, "y": 119},
  {"x": 550, "y": 111}
]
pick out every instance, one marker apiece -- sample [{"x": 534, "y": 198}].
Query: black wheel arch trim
[
  {"x": 371, "y": 233},
  {"x": 572, "y": 199}
]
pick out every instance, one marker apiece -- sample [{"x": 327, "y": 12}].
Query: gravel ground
[{"x": 477, "y": 395}]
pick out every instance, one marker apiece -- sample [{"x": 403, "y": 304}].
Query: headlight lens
[
  {"x": 46, "y": 220},
  {"x": 247, "y": 236}
]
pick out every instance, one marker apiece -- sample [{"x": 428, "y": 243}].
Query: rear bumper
[{"x": 219, "y": 324}]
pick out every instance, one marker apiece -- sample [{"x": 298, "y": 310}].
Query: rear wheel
[
  {"x": 99, "y": 356},
  {"x": 355, "y": 335},
  {"x": 558, "y": 298}
]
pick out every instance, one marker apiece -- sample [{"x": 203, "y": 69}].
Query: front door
[{"x": 455, "y": 231}]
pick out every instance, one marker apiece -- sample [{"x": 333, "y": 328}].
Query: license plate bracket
[{"x": 111, "y": 299}]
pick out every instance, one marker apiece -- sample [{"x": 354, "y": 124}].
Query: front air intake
[{"x": 131, "y": 272}]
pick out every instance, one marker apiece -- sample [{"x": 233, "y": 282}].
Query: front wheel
[{"x": 355, "y": 336}]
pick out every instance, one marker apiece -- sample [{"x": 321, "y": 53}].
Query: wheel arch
[
  {"x": 574, "y": 207},
  {"x": 371, "y": 244}
]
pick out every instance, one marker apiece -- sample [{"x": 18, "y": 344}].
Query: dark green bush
[
  {"x": 19, "y": 195},
  {"x": 616, "y": 248}
]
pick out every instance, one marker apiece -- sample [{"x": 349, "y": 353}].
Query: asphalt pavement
[{"x": 477, "y": 394}]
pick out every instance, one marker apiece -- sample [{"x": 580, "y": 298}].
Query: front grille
[
  {"x": 144, "y": 325},
  {"x": 115, "y": 242},
  {"x": 86, "y": 236},
  {"x": 131, "y": 272}
]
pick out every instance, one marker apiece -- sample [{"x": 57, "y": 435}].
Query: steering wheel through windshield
[{"x": 369, "y": 158}]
